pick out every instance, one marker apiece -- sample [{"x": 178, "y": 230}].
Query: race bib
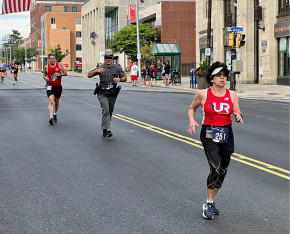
[
  {"x": 53, "y": 77},
  {"x": 111, "y": 85},
  {"x": 48, "y": 87},
  {"x": 220, "y": 135}
]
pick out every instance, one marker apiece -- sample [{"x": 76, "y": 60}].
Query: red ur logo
[{"x": 223, "y": 107}]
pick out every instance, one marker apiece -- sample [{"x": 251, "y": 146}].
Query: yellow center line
[
  {"x": 34, "y": 85},
  {"x": 188, "y": 140}
]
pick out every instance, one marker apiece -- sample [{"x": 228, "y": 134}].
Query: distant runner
[
  {"x": 2, "y": 71},
  {"x": 14, "y": 70}
]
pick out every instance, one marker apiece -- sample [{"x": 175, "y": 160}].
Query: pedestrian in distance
[
  {"x": 52, "y": 74},
  {"x": 167, "y": 72},
  {"x": 159, "y": 70},
  {"x": 143, "y": 75},
  {"x": 108, "y": 89},
  {"x": 216, "y": 134},
  {"x": 153, "y": 71},
  {"x": 14, "y": 70},
  {"x": 163, "y": 74},
  {"x": 134, "y": 74}
]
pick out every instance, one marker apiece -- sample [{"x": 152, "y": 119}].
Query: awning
[{"x": 165, "y": 49}]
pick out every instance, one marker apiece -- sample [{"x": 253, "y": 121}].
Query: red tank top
[
  {"x": 53, "y": 80},
  {"x": 217, "y": 110}
]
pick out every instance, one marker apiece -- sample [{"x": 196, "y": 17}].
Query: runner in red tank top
[
  {"x": 216, "y": 135},
  {"x": 52, "y": 74}
]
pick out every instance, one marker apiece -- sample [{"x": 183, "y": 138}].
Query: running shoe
[
  {"x": 207, "y": 210},
  {"x": 107, "y": 133},
  {"x": 55, "y": 118},
  {"x": 215, "y": 210},
  {"x": 51, "y": 121}
]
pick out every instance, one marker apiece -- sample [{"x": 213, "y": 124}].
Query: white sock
[
  {"x": 55, "y": 114},
  {"x": 207, "y": 201}
]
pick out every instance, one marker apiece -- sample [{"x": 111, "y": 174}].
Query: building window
[
  {"x": 65, "y": 9},
  {"x": 78, "y": 59},
  {"x": 284, "y": 7},
  {"x": 78, "y": 34},
  {"x": 229, "y": 14},
  {"x": 78, "y": 21},
  {"x": 52, "y": 20},
  {"x": 74, "y": 9},
  {"x": 111, "y": 25},
  {"x": 47, "y": 8},
  {"x": 78, "y": 47},
  {"x": 284, "y": 56}
]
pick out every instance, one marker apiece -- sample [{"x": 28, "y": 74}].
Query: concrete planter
[{"x": 201, "y": 82}]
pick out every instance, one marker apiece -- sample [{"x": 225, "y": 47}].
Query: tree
[
  {"x": 13, "y": 39},
  {"x": 19, "y": 54},
  {"x": 146, "y": 58},
  {"x": 58, "y": 53},
  {"x": 125, "y": 40}
]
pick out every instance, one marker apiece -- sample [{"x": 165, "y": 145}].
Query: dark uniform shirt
[{"x": 114, "y": 71}]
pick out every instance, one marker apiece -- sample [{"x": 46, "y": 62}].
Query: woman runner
[{"x": 216, "y": 134}]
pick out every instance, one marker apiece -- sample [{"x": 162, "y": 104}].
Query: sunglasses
[
  {"x": 221, "y": 74},
  {"x": 108, "y": 57}
]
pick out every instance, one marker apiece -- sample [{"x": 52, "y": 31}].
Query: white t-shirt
[{"x": 134, "y": 70}]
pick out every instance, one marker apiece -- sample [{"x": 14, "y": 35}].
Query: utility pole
[
  {"x": 25, "y": 60},
  {"x": 234, "y": 50},
  {"x": 138, "y": 43},
  {"x": 208, "y": 31}
]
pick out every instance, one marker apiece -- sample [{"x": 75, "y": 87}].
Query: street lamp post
[
  {"x": 25, "y": 60},
  {"x": 138, "y": 42}
]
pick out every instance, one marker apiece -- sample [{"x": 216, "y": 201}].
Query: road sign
[
  {"x": 138, "y": 55},
  {"x": 234, "y": 29},
  {"x": 207, "y": 51}
]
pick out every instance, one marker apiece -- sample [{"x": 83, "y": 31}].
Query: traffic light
[
  {"x": 241, "y": 40},
  {"x": 231, "y": 39}
]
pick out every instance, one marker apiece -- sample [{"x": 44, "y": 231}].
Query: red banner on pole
[
  {"x": 39, "y": 45},
  {"x": 14, "y": 6},
  {"x": 132, "y": 12}
]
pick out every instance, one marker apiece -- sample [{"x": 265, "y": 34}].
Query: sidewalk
[{"x": 251, "y": 91}]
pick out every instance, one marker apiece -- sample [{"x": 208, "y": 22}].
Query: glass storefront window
[
  {"x": 111, "y": 25},
  {"x": 284, "y": 56}
]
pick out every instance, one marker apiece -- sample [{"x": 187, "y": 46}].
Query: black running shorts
[
  {"x": 54, "y": 90},
  {"x": 213, "y": 148}
]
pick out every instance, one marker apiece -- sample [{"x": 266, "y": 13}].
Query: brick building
[{"x": 37, "y": 10}]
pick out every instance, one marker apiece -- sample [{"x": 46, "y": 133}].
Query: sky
[{"x": 16, "y": 21}]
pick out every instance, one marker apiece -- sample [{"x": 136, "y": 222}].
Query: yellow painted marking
[
  {"x": 189, "y": 140},
  {"x": 37, "y": 86}
]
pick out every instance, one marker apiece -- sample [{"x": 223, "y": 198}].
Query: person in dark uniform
[{"x": 107, "y": 91}]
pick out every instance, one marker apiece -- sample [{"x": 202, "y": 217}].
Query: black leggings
[{"x": 218, "y": 156}]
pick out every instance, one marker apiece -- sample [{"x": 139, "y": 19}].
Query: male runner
[
  {"x": 52, "y": 74},
  {"x": 14, "y": 70}
]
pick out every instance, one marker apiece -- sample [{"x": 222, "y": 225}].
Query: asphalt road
[{"x": 150, "y": 177}]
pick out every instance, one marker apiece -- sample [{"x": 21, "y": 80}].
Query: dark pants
[
  {"x": 107, "y": 104},
  {"x": 218, "y": 156}
]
